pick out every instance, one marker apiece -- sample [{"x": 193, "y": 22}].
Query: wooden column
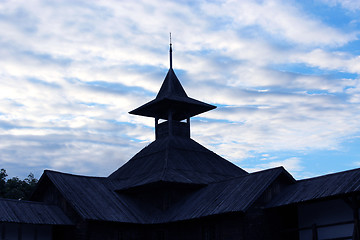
[
  {"x": 36, "y": 232},
  {"x": 188, "y": 125},
  {"x": 356, "y": 234},
  {"x": 314, "y": 232},
  {"x": 354, "y": 203},
  {"x": 170, "y": 122},
  {"x": 19, "y": 231},
  {"x": 2, "y": 226},
  {"x": 156, "y": 127}
]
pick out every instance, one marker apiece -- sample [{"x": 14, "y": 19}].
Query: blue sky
[{"x": 284, "y": 75}]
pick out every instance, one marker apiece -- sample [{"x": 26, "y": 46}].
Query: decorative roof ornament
[{"x": 170, "y": 51}]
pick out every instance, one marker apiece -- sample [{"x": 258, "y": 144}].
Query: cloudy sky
[{"x": 284, "y": 76}]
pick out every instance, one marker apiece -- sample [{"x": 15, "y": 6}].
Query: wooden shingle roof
[
  {"x": 229, "y": 196},
  {"x": 322, "y": 187},
  {"x": 15, "y": 211},
  {"x": 95, "y": 198},
  {"x": 177, "y": 160}
]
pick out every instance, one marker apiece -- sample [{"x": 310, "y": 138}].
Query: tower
[{"x": 173, "y": 159}]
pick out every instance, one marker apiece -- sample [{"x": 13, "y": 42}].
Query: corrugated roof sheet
[
  {"x": 16, "y": 211},
  {"x": 175, "y": 159},
  {"x": 96, "y": 198},
  {"x": 326, "y": 186}
]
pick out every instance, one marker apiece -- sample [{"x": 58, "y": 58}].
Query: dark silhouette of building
[{"x": 177, "y": 189}]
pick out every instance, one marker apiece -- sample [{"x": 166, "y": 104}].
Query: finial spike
[{"x": 170, "y": 52}]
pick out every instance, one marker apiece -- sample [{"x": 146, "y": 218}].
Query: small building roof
[
  {"x": 16, "y": 211},
  {"x": 327, "y": 186},
  {"x": 229, "y": 196},
  {"x": 93, "y": 198}
]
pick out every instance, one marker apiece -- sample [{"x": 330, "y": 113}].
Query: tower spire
[{"x": 170, "y": 52}]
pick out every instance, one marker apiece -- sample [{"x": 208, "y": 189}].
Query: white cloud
[
  {"x": 291, "y": 164},
  {"x": 352, "y": 5},
  {"x": 331, "y": 60},
  {"x": 280, "y": 19},
  {"x": 71, "y": 71}
]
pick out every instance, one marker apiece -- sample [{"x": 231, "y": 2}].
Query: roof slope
[
  {"x": 175, "y": 159},
  {"x": 234, "y": 195},
  {"x": 16, "y": 211},
  {"x": 330, "y": 185},
  {"x": 96, "y": 198}
]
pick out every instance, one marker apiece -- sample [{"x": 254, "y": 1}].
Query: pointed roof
[
  {"x": 172, "y": 97},
  {"x": 176, "y": 160},
  {"x": 171, "y": 87}
]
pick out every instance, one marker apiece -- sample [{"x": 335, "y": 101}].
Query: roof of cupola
[{"x": 172, "y": 97}]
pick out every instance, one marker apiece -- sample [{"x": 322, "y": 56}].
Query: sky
[{"x": 284, "y": 75}]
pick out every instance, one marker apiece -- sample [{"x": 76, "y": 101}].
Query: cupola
[{"x": 173, "y": 105}]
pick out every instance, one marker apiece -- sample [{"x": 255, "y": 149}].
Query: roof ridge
[
  {"x": 71, "y": 174},
  {"x": 249, "y": 174},
  {"x": 26, "y": 201},
  {"x": 144, "y": 174},
  {"x": 329, "y": 174}
]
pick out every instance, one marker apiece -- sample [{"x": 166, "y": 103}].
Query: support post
[
  {"x": 188, "y": 125},
  {"x": 19, "y": 231},
  {"x": 170, "y": 122},
  {"x": 354, "y": 203},
  {"x": 3, "y": 229},
  {"x": 355, "y": 207},
  {"x": 314, "y": 232},
  {"x": 156, "y": 127}
]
